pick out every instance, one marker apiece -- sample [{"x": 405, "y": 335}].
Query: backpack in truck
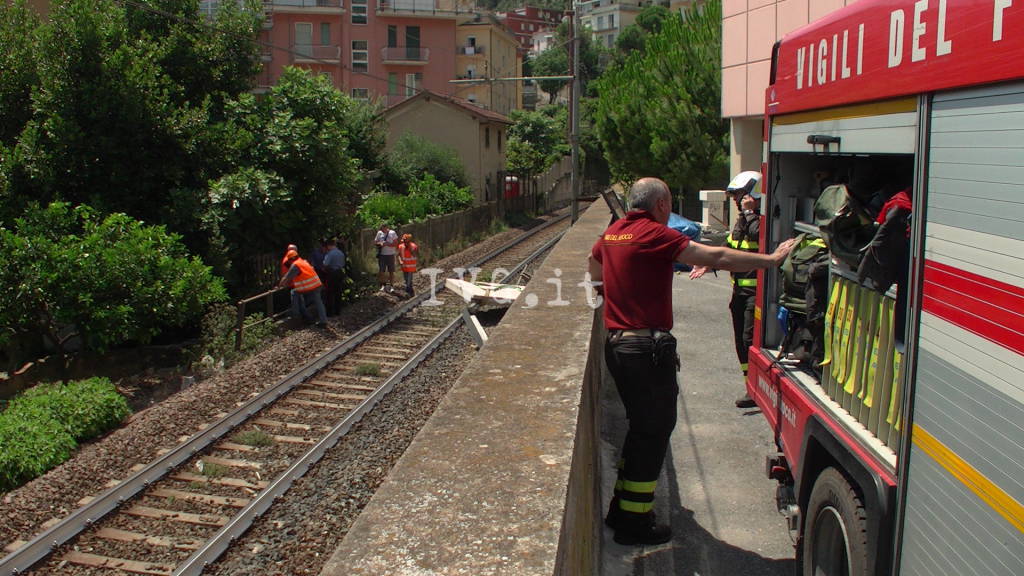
[
  {"x": 802, "y": 272},
  {"x": 845, "y": 224},
  {"x": 796, "y": 271}
]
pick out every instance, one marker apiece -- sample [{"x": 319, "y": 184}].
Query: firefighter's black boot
[
  {"x": 635, "y": 529},
  {"x": 611, "y": 520}
]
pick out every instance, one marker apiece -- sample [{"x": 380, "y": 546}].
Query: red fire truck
[{"x": 902, "y": 452}]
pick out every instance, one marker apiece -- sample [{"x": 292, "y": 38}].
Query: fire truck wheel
[{"x": 835, "y": 535}]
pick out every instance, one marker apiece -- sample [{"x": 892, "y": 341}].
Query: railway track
[{"x": 180, "y": 512}]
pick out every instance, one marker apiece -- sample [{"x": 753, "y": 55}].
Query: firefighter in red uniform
[
  {"x": 633, "y": 259},
  {"x": 408, "y": 253},
  {"x": 306, "y": 288}
]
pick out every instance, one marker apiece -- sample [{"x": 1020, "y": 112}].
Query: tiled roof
[{"x": 464, "y": 105}]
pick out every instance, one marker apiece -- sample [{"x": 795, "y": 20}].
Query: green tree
[
  {"x": 555, "y": 61},
  {"x": 633, "y": 37},
  {"x": 536, "y": 140},
  {"x": 659, "y": 112},
  {"x": 18, "y": 39},
  {"x": 298, "y": 177},
  {"x": 552, "y": 62},
  {"x": 414, "y": 157},
  {"x": 71, "y": 273},
  {"x": 123, "y": 100}
]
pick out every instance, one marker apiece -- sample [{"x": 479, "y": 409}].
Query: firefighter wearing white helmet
[{"x": 745, "y": 233}]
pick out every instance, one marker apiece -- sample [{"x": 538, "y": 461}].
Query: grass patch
[
  {"x": 254, "y": 438},
  {"x": 212, "y": 469},
  {"x": 368, "y": 369}
]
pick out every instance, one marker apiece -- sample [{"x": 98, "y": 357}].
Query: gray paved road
[{"x": 714, "y": 490}]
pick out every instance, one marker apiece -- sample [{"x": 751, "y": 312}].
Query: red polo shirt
[{"x": 636, "y": 255}]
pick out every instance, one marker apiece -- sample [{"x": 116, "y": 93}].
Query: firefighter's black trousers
[
  {"x": 644, "y": 369},
  {"x": 742, "y": 308}
]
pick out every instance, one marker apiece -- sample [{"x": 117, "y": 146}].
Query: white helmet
[{"x": 746, "y": 182}]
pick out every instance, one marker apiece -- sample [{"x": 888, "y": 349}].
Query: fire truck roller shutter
[{"x": 967, "y": 451}]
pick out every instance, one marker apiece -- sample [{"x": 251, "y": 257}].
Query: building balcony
[
  {"x": 427, "y": 8},
  {"x": 405, "y": 55},
  {"x": 469, "y": 50},
  {"x": 304, "y": 5},
  {"x": 316, "y": 53}
]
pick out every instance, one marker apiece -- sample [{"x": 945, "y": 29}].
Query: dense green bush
[
  {"x": 84, "y": 408},
  {"x": 39, "y": 428},
  {"x": 30, "y": 444},
  {"x": 111, "y": 280},
  {"x": 426, "y": 197},
  {"x": 414, "y": 157}
]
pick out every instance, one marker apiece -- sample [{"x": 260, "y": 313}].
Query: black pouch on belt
[{"x": 664, "y": 350}]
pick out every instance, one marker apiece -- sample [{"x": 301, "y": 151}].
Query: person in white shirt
[{"x": 387, "y": 243}]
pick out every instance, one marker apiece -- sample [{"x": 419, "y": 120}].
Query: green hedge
[
  {"x": 41, "y": 427},
  {"x": 427, "y": 197}
]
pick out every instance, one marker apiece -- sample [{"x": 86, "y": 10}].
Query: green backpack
[
  {"x": 845, "y": 225},
  {"x": 795, "y": 271}
]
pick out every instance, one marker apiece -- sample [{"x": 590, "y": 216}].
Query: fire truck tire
[{"x": 835, "y": 539}]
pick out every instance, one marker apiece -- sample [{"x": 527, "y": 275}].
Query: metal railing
[
  {"x": 435, "y": 7},
  {"x": 270, "y": 316},
  {"x": 405, "y": 54},
  {"x": 307, "y": 3},
  {"x": 470, "y": 50},
  {"x": 316, "y": 52}
]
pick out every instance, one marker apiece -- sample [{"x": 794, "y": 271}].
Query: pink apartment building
[
  {"x": 386, "y": 49},
  {"x": 749, "y": 30}
]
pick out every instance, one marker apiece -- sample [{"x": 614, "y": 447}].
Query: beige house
[
  {"x": 477, "y": 135},
  {"x": 485, "y": 48}
]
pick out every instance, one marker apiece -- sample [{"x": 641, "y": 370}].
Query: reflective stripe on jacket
[
  {"x": 407, "y": 256},
  {"x": 744, "y": 236},
  {"x": 306, "y": 280}
]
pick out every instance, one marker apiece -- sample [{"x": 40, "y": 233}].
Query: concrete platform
[{"x": 512, "y": 474}]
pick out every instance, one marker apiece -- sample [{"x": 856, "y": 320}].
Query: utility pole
[{"x": 574, "y": 112}]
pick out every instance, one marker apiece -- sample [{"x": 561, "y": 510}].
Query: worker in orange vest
[
  {"x": 284, "y": 259},
  {"x": 306, "y": 288},
  {"x": 408, "y": 253}
]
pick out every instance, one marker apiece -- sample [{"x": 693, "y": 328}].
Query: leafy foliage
[
  {"x": 126, "y": 109},
  {"x": 30, "y": 444},
  {"x": 414, "y": 157},
  {"x": 84, "y": 408},
  {"x": 218, "y": 334},
  {"x": 658, "y": 113},
  {"x": 298, "y": 151},
  {"x": 536, "y": 140},
  {"x": 555, "y": 61},
  {"x": 634, "y": 36},
  {"x": 105, "y": 280},
  {"x": 39, "y": 428},
  {"x": 426, "y": 197}
]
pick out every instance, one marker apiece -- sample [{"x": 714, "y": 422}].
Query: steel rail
[
  {"x": 244, "y": 519},
  {"x": 50, "y": 539}
]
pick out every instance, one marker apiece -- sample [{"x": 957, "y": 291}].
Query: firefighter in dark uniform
[
  {"x": 744, "y": 236},
  {"x": 633, "y": 260}
]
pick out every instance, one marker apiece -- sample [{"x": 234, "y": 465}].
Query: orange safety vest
[
  {"x": 407, "y": 256},
  {"x": 306, "y": 280}
]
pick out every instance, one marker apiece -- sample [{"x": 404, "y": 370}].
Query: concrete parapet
[{"x": 504, "y": 477}]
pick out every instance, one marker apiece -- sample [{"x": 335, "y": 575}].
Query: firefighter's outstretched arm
[{"x": 722, "y": 258}]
